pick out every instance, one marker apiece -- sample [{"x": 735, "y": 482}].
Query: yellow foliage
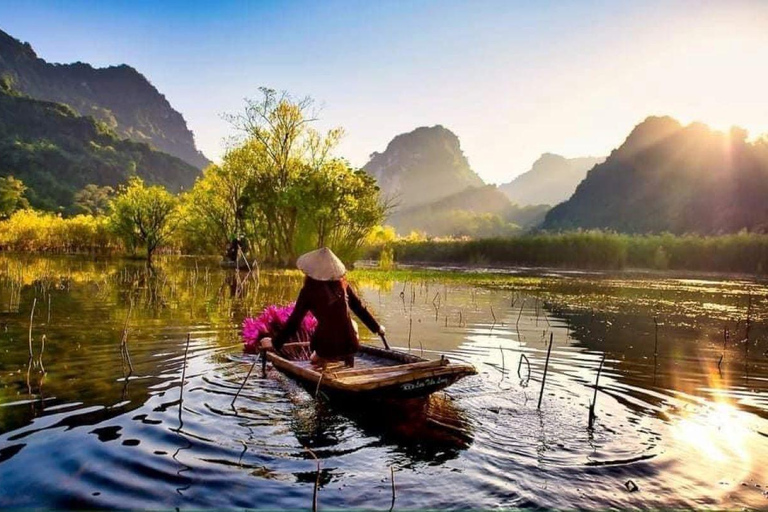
[
  {"x": 380, "y": 235},
  {"x": 32, "y": 231}
]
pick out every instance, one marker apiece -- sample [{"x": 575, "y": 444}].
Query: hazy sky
[{"x": 511, "y": 79}]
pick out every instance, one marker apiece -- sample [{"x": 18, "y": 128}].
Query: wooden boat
[{"x": 378, "y": 374}]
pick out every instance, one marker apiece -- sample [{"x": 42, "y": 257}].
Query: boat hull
[{"x": 378, "y": 375}]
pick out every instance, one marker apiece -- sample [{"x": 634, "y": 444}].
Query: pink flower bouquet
[{"x": 270, "y": 322}]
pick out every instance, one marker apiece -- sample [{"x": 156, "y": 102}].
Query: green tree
[
  {"x": 143, "y": 216},
  {"x": 11, "y": 196},
  {"x": 341, "y": 206},
  {"x": 292, "y": 195},
  {"x": 217, "y": 208},
  {"x": 93, "y": 199},
  {"x": 280, "y": 147}
]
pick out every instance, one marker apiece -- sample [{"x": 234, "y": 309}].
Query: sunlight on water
[{"x": 718, "y": 434}]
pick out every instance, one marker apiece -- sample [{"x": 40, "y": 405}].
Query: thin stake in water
[
  {"x": 410, "y": 328},
  {"x": 594, "y": 398},
  {"x": 263, "y": 356},
  {"x": 183, "y": 376},
  {"x": 725, "y": 341},
  {"x": 520, "y": 365},
  {"x": 747, "y": 329},
  {"x": 124, "y": 341},
  {"x": 40, "y": 357},
  {"x": 317, "y": 479},
  {"x": 31, "y": 319},
  {"x": 392, "y": 475},
  {"x": 655, "y": 348},
  {"x": 546, "y": 367}
]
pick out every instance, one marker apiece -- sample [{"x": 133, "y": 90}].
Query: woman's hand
[{"x": 266, "y": 344}]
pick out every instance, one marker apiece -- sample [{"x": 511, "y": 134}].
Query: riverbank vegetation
[{"x": 740, "y": 252}]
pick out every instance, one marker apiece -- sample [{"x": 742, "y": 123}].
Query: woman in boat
[{"x": 329, "y": 298}]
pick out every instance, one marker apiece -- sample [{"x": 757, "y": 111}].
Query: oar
[{"x": 384, "y": 339}]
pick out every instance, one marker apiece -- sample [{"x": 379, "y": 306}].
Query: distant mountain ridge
[
  {"x": 436, "y": 192},
  {"x": 421, "y": 167},
  {"x": 675, "y": 178},
  {"x": 551, "y": 180},
  {"x": 119, "y": 96},
  {"x": 475, "y": 211},
  {"x": 57, "y": 152}
]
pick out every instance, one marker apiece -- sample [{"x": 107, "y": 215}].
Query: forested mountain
[
  {"x": 551, "y": 180},
  {"x": 421, "y": 167},
  {"x": 670, "y": 177},
  {"x": 119, "y": 96},
  {"x": 57, "y": 152},
  {"x": 475, "y": 211}
]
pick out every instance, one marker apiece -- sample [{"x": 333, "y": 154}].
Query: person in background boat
[
  {"x": 329, "y": 298},
  {"x": 235, "y": 248}
]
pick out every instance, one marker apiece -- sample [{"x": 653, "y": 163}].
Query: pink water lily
[{"x": 270, "y": 322}]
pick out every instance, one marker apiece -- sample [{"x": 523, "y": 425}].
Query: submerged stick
[
  {"x": 244, "y": 381},
  {"x": 31, "y": 319},
  {"x": 410, "y": 328},
  {"x": 520, "y": 365},
  {"x": 183, "y": 376},
  {"x": 517, "y": 324},
  {"x": 594, "y": 398},
  {"x": 124, "y": 341},
  {"x": 317, "y": 479},
  {"x": 392, "y": 475},
  {"x": 42, "y": 350},
  {"x": 747, "y": 329},
  {"x": 546, "y": 367},
  {"x": 725, "y": 341}
]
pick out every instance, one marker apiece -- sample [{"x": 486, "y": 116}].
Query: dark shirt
[{"x": 329, "y": 302}]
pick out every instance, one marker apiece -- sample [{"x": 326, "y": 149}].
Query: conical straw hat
[{"x": 321, "y": 265}]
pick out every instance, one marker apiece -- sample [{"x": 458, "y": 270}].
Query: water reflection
[
  {"x": 681, "y": 410},
  {"x": 424, "y": 431}
]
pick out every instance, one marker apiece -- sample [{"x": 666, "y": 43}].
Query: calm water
[{"x": 78, "y": 428}]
